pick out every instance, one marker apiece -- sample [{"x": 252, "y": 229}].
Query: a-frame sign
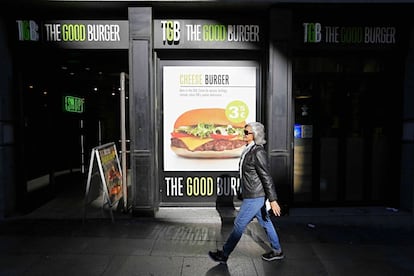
[{"x": 110, "y": 172}]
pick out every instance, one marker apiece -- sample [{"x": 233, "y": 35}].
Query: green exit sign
[{"x": 74, "y": 104}]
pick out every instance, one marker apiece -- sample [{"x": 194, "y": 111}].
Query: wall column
[
  {"x": 8, "y": 152},
  {"x": 142, "y": 125},
  {"x": 279, "y": 105},
  {"x": 407, "y": 144}
]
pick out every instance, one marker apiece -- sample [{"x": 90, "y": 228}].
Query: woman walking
[{"x": 256, "y": 186}]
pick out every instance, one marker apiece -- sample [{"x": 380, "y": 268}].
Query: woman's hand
[{"x": 275, "y": 208}]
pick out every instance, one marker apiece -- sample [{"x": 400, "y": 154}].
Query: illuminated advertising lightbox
[
  {"x": 205, "y": 110},
  {"x": 206, "y": 34},
  {"x": 76, "y": 34}
]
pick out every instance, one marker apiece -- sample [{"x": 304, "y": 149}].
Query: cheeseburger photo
[{"x": 207, "y": 133}]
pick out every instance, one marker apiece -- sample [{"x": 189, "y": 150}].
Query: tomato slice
[
  {"x": 221, "y": 136},
  {"x": 179, "y": 134}
]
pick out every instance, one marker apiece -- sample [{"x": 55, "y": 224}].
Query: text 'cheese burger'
[{"x": 207, "y": 133}]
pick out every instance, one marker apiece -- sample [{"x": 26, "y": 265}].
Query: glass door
[{"x": 125, "y": 140}]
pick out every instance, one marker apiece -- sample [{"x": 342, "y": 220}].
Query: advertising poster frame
[
  {"x": 111, "y": 169},
  {"x": 203, "y": 182}
]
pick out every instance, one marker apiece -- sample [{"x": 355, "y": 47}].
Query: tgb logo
[
  {"x": 312, "y": 32},
  {"x": 170, "y": 32},
  {"x": 28, "y": 30}
]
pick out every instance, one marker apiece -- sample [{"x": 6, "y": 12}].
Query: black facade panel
[
  {"x": 140, "y": 23},
  {"x": 279, "y": 106},
  {"x": 141, "y": 99},
  {"x": 143, "y": 190},
  {"x": 280, "y": 27},
  {"x": 280, "y": 80},
  {"x": 281, "y": 177}
]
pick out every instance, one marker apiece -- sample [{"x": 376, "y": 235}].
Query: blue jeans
[{"x": 250, "y": 208}]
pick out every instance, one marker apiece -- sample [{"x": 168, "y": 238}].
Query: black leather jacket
[{"x": 256, "y": 179}]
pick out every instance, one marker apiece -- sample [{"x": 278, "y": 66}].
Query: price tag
[{"x": 237, "y": 111}]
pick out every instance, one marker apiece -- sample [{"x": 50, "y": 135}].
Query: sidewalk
[
  {"x": 54, "y": 240},
  {"x": 173, "y": 244}
]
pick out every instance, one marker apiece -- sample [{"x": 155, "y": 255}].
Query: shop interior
[{"x": 70, "y": 103}]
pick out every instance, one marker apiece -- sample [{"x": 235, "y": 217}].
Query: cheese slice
[{"x": 193, "y": 143}]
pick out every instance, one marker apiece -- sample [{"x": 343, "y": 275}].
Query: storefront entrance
[
  {"x": 347, "y": 114},
  {"x": 68, "y": 107}
]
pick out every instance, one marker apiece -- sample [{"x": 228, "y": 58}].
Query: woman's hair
[{"x": 259, "y": 132}]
